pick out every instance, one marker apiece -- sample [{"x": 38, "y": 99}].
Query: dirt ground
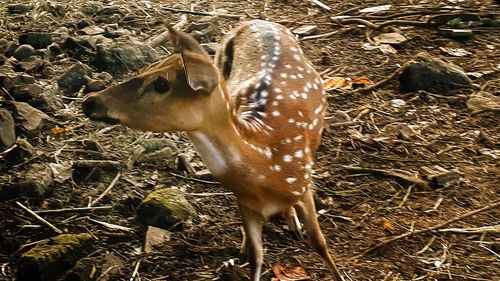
[{"x": 357, "y": 209}]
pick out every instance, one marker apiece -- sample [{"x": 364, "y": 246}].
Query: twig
[
  {"x": 433, "y": 21},
  {"x": 343, "y": 124},
  {"x": 70, "y": 210},
  {"x": 207, "y": 194},
  {"x": 112, "y": 225},
  {"x": 193, "y": 179},
  {"x": 106, "y": 191},
  {"x": 483, "y": 229},
  {"x": 347, "y": 11},
  {"x": 322, "y": 5},
  {"x": 163, "y": 37},
  {"x": 7, "y": 94},
  {"x": 380, "y": 83},
  {"x": 399, "y": 174},
  {"x": 107, "y": 129},
  {"x": 405, "y": 198},
  {"x": 233, "y": 16},
  {"x": 492, "y": 205},
  {"x": 136, "y": 270},
  {"x": 427, "y": 245},
  {"x": 42, "y": 220},
  {"x": 324, "y": 35}
]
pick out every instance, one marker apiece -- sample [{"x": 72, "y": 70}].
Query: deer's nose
[{"x": 92, "y": 106}]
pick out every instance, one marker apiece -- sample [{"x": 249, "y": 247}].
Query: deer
[{"x": 255, "y": 115}]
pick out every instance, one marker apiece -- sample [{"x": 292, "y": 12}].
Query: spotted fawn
[{"x": 255, "y": 116}]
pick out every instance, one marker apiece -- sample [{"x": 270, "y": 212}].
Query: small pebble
[{"x": 397, "y": 103}]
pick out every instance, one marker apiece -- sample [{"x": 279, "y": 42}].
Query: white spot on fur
[
  {"x": 299, "y": 154},
  {"x": 276, "y": 168},
  {"x": 287, "y": 158}
]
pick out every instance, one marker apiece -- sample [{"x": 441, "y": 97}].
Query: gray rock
[
  {"x": 47, "y": 101},
  {"x": 164, "y": 208},
  {"x": 84, "y": 23},
  {"x": 95, "y": 85},
  {"x": 55, "y": 49},
  {"x": 123, "y": 56},
  {"x": 30, "y": 118},
  {"x": 18, "y": 8},
  {"x": 74, "y": 78},
  {"x": 10, "y": 79},
  {"x": 31, "y": 65},
  {"x": 36, "y": 182},
  {"x": 105, "y": 76},
  {"x": 3, "y": 45},
  {"x": 7, "y": 129},
  {"x": 48, "y": 260},
  {"x": 433, "y": 75},
  {"x": 25, "y": 93},
  {"x": 23, "y": 52},
  {"x": 10, "y": 48},
  {"x": 38, "y": 40},
  {"x": 483, "y": 101},
  {"x": 20, "y": 152},
  {"x": 392, "y": 38}
]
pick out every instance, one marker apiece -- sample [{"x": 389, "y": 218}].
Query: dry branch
[
  {"x": 163, "y": 37},
  {"x": 199, "y": 13},
  {"x": 483, "y": 229},
  {"x": 106, "y": 191},
  {"x": 71, "y": 210},
  {"x": 381, "y": 82},
  {"x": 434, "y": 21},
  {"x": 492, "y": 205},
  {"x": 42, "y": 220},
  {"x": 112, "y": 226},
  {"x": 399, "y": 174}
]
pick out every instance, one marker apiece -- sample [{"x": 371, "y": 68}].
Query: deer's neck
[{"x": 218, "y": 141}]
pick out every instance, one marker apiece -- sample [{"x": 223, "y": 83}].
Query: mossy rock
[
  {"x": 123, "y": 56},
  {"x": 433, "y": 75},
  {"x": 164, "y": 208},
  {"x": 51, "y": 258}
]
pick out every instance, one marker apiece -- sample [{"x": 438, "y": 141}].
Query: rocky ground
[{"x": 407, "y": 175}]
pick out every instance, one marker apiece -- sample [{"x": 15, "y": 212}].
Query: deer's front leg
[{"x": 252, "y": 224}]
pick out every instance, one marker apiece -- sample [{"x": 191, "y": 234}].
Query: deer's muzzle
[{"x": 94, "y": 108}]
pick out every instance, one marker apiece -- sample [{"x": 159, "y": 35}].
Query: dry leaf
[
  {"x": 335, "y": 83},
  {"x": 62, "y": 171},
  {"x": 61, "y": 131},
  {"x": 361, "y": 81},
  {"x": 388, "y": 226},
  {"x": 289, "y": 273},
  {"x": 342, "y": 83},
  {"x": 155, "y": 236}
]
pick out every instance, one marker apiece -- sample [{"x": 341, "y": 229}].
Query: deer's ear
[
  {"x": 200, "y": 72},
  {"x": 183, "y": 41}
]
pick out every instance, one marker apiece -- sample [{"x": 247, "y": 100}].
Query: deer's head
[{"x": 169, "y": 95}]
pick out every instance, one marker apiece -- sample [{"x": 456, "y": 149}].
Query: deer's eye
[{"x": 161, "y": 85}]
